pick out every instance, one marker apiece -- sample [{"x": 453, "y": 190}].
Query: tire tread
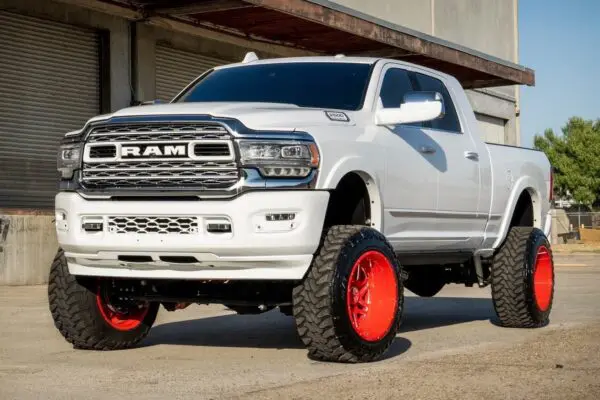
[
  {"x": 71, "y": 305},
  {"x": 312, "y": 308},
  {"x": 510, "y": 295}
]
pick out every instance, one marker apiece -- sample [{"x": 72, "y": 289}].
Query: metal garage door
[
  {"x": 49, "y": 85},
  {"x": 175, "y": 69},
  {"x": 492, "y": 128}
]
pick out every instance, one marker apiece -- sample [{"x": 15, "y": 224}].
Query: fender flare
[
  {"x": 528, "y": 184},
  {"x": 368, "y": 173}
]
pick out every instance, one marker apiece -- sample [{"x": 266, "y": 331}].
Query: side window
[
  {"x": 450, "y": 121},
  {"x": 396, "y": 84}
]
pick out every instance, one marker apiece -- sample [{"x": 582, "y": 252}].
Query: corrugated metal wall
[
  {"x": 49, "y": 85},
  {"x": 175, "y": 69}
]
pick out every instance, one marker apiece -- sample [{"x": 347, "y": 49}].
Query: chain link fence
[
  {"x": 584, "y": 219},
  {"x": 571, "y": 226}
]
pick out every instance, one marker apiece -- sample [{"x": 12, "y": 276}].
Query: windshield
[{"x": 305, "y": 84}]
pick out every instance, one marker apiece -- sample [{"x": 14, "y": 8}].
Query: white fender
[
  {"x": 523, "y": 183},
  {"x": 372, "y": 177}
]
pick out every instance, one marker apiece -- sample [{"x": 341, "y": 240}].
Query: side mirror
[{"x": 417, "y": 107}]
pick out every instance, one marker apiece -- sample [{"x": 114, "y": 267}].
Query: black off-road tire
[
  {"x": 425, "y": 280},
  {"x": 319, "y": 302},
  {"x": 76, "y": 315},
  {"x": 512, "y": 279},
  {"x": 56, "y": 297}
]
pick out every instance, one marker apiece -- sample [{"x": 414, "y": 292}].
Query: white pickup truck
[{"x": 322, "y": 186}]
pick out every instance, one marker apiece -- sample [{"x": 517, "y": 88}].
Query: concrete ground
[{"x": 448, "y": 348}]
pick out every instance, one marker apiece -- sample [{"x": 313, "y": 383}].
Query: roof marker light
[{"x": 250, "y": 56}]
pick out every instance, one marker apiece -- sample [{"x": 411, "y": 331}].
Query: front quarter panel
[{"x": 352, "y": 149}]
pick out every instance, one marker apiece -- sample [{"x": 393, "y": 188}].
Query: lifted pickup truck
[{"x": 322, "y": 186}]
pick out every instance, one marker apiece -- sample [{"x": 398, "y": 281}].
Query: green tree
[{"x": 575, "y": 157}]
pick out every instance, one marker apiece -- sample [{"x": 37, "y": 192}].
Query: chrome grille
[
  {"x": 205, "y": 159},
  {"x": 146, "y": 132},
  {"x": 182, "y": 225}
]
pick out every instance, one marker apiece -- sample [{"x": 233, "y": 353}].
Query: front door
[{"x": 412, "y": 167}]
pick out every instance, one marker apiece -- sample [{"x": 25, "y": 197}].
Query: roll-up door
[
  {"x": 175, "y": 69},
  {"x": 49, "y": 85}
]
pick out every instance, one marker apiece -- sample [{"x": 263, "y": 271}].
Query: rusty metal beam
[
  {"x": 123, "y": 11},
  {"x": 203, "y": 7},
  {"x": 226, "y": 37},
  {"x": 383, "y": 53},
  {"x": 484, "y": 83},
  {"x": 385, "y": 34}
]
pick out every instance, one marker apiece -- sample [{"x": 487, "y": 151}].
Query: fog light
[
  {"x": 218, "y": 228},
  {"x": 92, "y": 224},
  {"x": 280, "y": 217}
]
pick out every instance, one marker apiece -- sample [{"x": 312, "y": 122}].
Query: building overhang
[{"x": 320, "y": 27}]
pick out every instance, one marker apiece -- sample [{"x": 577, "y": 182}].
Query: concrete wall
[
  {"x": 27, "y": 247},
  {"x": 413, "y": 14},
  {"x": 488, "y": 26}
]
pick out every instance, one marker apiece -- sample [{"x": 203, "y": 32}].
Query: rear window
[{"x": 305, "y": 84}]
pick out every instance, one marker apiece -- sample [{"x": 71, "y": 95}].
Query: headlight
[
  {"x": 280, "y": 159},
  {"x": 68, "y": 160}
]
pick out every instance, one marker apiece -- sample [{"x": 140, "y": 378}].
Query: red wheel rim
[
  {"x": 543, "y": 280},
  {"x": 372, "y": 296},
  {"x": 119, "y": 319}
]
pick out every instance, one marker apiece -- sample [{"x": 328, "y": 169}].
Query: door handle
[
  {"x": 471, "y": 155},
  {"x": 427, "y": 149}
]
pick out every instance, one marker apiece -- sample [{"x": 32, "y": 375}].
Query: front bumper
[{"x": 254, "y": 249}]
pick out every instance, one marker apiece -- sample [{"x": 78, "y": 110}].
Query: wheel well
[
  {"x": 349, "y": 203},
  {"x": 523, "y": 214}
]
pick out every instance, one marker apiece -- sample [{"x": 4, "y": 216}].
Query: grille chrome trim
[
  {"x": 170, "y": 165},
  {"x": 158, "y": 131},
  {"x": 159, "y": 225},
  {"x": 190, "y": 151},
  {"x": 214, "y": 176},
  {"x": 163, "y": 183},
  {"x": 150, "y": 162}
]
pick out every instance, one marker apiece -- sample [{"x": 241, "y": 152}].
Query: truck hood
[{"x": 252, "y": 115}]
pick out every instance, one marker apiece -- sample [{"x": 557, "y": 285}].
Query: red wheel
[
  {"x": 89, "y": 318},
  {"x": 122, "y": 318},
  {"x": 543, "y": 278},
  {"x": 372, "y": 296},
  {"x": 349, "y": 306}
]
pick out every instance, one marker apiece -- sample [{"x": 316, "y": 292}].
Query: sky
[{"x": 560, "y": 41}]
